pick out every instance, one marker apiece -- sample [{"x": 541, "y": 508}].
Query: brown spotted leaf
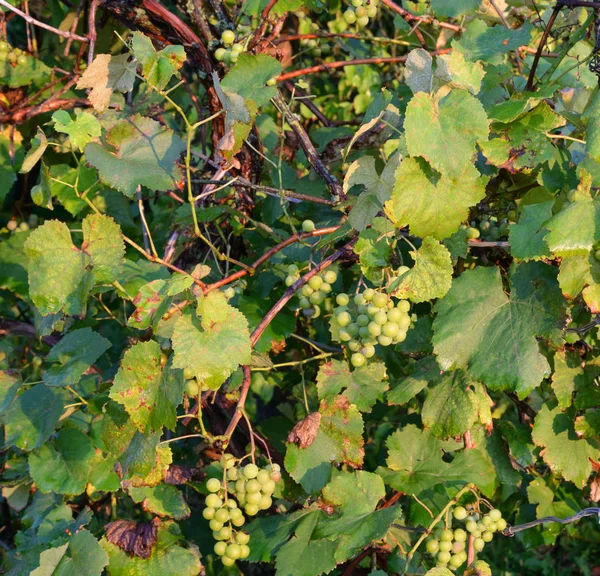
[
  {"x": 304, "y": 433},
  {"x": 177, "y": 475},
  {"x": 135, "y": 538}
]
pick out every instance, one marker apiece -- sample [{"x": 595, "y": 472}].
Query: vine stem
[
  {"x": 512, "y": 530},
  {"x": 434, "y": 523},
  {"x": 538, "y": 54},
  {"x": 268, "y": 318},
  {"x": 406, "y": 15}
]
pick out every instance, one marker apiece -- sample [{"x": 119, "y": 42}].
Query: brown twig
[
  {"x": 406, "y": 15},
  {"x": 268, "y": 8},
  {"x": 305, "y": 99},
  {"x": 269, "y": 254},
  {"x": 311, "y": 153},
  {"x": 92, "y": 30},
  {"x": 31, "y": 20},
  {"x": 531, "y": 80},
  {"x": 500, "y": 13}
]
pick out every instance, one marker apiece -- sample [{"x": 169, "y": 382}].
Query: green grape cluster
[
  {"x": 314, "y": 292},
  {"x": 231, "y": 50},
  {"x": 490, "y": 228},
  {"x": 12, "y": 55},
  {"x": 314, "y": 48},
  {"x": 360, "y": 12},
  {"x": 248, "y": 487},
  {"x": 192, "y": 387},
  {"x": 448, "y": 547},
  {"x": 368, "y": 319}
]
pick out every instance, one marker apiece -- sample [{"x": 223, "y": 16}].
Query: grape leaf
[
  {"x": 415, "y": 464},
  {"x": 151, "y": 303},
  {"x": 137, "y": 151},
  {"x": 565, "y": 454},
  {"x": 363, "y": 387},
  {"x": 82, "y": 130},
  {"x": 455, "y": 405},
  {"x": 168, "y": 558},
  {"x": 592, "y": 128},
  {"x": 526, "y": 238},
  {"x": 63, "y": 182},
  {"x": 103, "y": 241},
  {"x": 32, "y": 71},
  {"x": 418, "y": 71},
  {"x": 429, "y": 278},
  {"x": 41, "y": 193},
  {"x": 424, "y": 372},
  {"x": 106, "y": 74},
  {"x": 13, "y": 264},
  {"x": 567, "y": 373},
  {"x": 49, "y": 560},
  {"x": 490, "y": 43},
  {"x": 32, "y": 415},
  {"x": 10, "y": 383},
  {"x": 454, "y": 69},
  {"x": 149, "y": 393},
  {"x": 378, "y": 188},
  {"x": 87, "y": 558},
  {"x": 11, "y": 158},
  {"x": 338, "y": 440},
  {"x": 249, "y": 76},
  {"x": 157, "y": 67},
  {"x": 478, "y": 327},
  {"x": 162, "y": 500},
  {"x": 434, "y": 126},
  {"x": 38, "y": 147},
  {"x": 73, "y": 355},
  {"x": 373, "y": 249},
  {"x": 58, "y": 279},
  {"x": 430, "y": 203},
  {"x": 454, "y": 8},
  {"x": 62, "y": 466},
  {"x": 213, "y": 346}
]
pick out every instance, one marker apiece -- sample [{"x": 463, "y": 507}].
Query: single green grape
[
  {"x": 368, "y": 351},
  {"x": 325, "y": 288},
  {"x": 343, "y": 319},
  {"x": 362, "y": 21},
  {"x": 362, "y": 320},
  {"x": 292, "y": 270},
  {"x": 394, "y": 315},
  {"x": 354, "y": 345},
  {"x": 237, "y": 48},
  {"x": 371, "y": 11},
  {"x": 501, "y": 524},
  {"x": 457, "y": 547},
  {"x": 432, "y": 546},
  {"x": 344, "y": 335},
  {"x": 215, "y": 525},
  {"x": 380, "y": 300},
  {"x": 384, "y": 340},
  {"x": 403, "y": 306},
  {"x": 460, "y": 512},
  {"x": 455, "y": 561},
  {"x": 251, "y": 509},
  {"x": 359, "y": 300},
  {"x": 242, "y": 537},
  {"x": 308, "y": 226},
  {"x": 12, "y": 57},
  {"x": 487, "y": 536},
  {"x": 446, "y": 535},
  {"x": 317, "y": 297},
  {"x": 350, "y": 16},
  {"x": 289, "y": 280},
  {"x": 306, "y": 290},
  {"x": 269, "y": 487},
  {"x": 213, "y": 485},
  {"x": 252, "y": 486},
  {"x": 220, "y": 54},
  {"x": 360, "y": 11},
  {"x": 222, "y": 515},
  {"x": 342, "y": 299},
  {"x": 232, "y": 505},
  {"x": 188, "y": 374},
  {"x": 304, "y": 303},
  {"x": 208, "y": 513},
  {"x": 250, "y": 471},
  {"x": 220, "y": 548},
  {"x": 473, "y": 233},
  {"x": 228, "y": 37},
  {"x": 374, "y": 329},
  {"x": 228, "y": 461},
  {"x": 357, "y": 360},
  {"x": 315, "y": 282},
  {"x": 227, "y": 561},
  {"x": 265, "y": 502},
  {"x": 213, "y": 501},
  {"x": 487, "y": 521},
  {"x": 357, "y": 3},
  {"x": 352, "y": 328},
  {"x": 380, "y": 317},
  {"x": 479, "y": 544},
  {"x": 263, "y": 476},
  {"x": 192, "y": 388},
  {"x": 443, "y": 557},
  {"x": 234, "y": 551},
  {"x": 330, "y": 276},
  {"x": 445, "y": 546},
  {"x": 238, "y": 521},
  {"x": 368, "y": 294},
  {"x": 245, "y": 551},
  {"x": 495, "y": 514},
  {"x": 460, "y": 535},
  {"x": 4, "y": 46}
]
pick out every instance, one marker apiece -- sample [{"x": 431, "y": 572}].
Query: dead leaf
[
  {"x": 177, "y": 475},
  {"x": 135, "y": 538},
  {"x": 305, "y": 431}
]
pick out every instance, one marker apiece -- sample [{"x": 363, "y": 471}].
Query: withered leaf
[
  {"x": 305, "y": 431},
  {"x": 135, "y": 538},
  {"x": 177, "y": 475}
]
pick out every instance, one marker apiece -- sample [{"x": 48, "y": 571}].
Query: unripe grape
[
  {"x": 222, "y": 515},
  {"x": 265, "y": 502},
  {"x": 213, "y": 501},
  {"x": 368, "y": 351},
  {"x": 308, "y": 226},
  {"x": 227, "y": 561},
  {"x": 390, "y": 329},
  {"x": 225, "y": 533},
  {"x": 352, "y": 329},
  {"x": 443, "y": 557},
  {"x": 232, "y": 505},
  {"x": 350, "y": 16},
  {"x": 360, "y": 12},
  {"x": 228, "y": 461},
  {"x": 220, "y": 54},
  {"x": 240, "y": 486},
  {"x": 12, "y": 57},
  {"x": 215, "y": 525},
  {"x": 380, "y": 300},
  {"x": 479, "y": 544},
  {"x": 357, "y": 360},
  {"x": 357, "y": 3},
  {"x": 220, "y": 548},
  {"x": 432, "y": 546},
  {"x": 344, "y": 335},
  {"x": 495, "y": 514},
  {"x": 252, "y": 486},
  {"x": 371, "y": 11},
  {"x": 384, "y": 340},
  {"x": 263, "y": 476},
  {"x": 460, "y": 512},
  {"x": 460, "y": 535},
  {"x": 457, "y": 547},
  {"x": 363, "y": 320},
  {"x": 362, "y": 21},
  {"x": 269, "y": 487},
  {"x": 242, "y": 537},
  {"x": 403, "y": 305},
  {"x": 487, "y": 536},
  {"x": 304, "y": 303},
  {"x": 404, "y": 323},
  {"x": 317, "y": 297},
  {"x": 289, "y": 280},
  {"x": 330, "y": 276},
  {"x": 234, "y": 551},
  {"x": 253, "y": 498},
  {"x": 455, "y": 561},
  {"x": 374, "y": 329},
  {"x": 501, "y": 524},
  {"x": 473, "y": 233},
  {"x": 315, "y": 282},
  {"x": 208, "y": 513},
  {"x": 342, "y": 299},
  {"x": 275, "y": 467},
  {"x": 4, "y": 46},
  {"x": 487, "y": 521},
  {"x": 354, "y": 345},
  {"x": 228, "y": 37},
  {"x": 232, "y": 474},
  {"x": 192, "y": 388},
  {"x": 445, "y": 546},
  {"x": 400, "y": 337},
  {"x": 343, "y": 319},
  {"x": 380, "y": 317},
  {"x": 245, "y": 551},
  {"x": 325, "y": 288},
  {"x": 251, "y": 509},
  {"x": 306, "y": 290},
  {"x": 188, "y": 374},
  {"x": 292, "y": 270},
  {"x": 213, "y": 485},
  {"x": 471, "y": 526},
  {"x": 359, "y": 300},
  {"x": 237, "y": 48},
  {"x": 394, "y": 315},
  {"x": 368, "y": 294},
  {"x": 238, "y": 521}
]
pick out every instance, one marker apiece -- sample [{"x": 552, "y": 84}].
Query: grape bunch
[
  {"x": 448, "y": 547},
  {"x": 313, "y": 293},
  {"x": 360, "y": 12},
  {"x": 248, "y": 487},
  {"x": 14, "y": 56},
  {"x": 231, "y": 50},
  {"x": 489, "y": 228},
  {"x": 368, "y": 319}
]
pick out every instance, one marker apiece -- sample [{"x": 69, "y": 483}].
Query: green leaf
[
  {"x": 431, "y": 275},
  {"x": 137, "y": 151},
  {"x": 157, "y": 67},
  {"x": 105, "y": 74},
  {"x": 455, "y": 405},
  {"x": 81, "y": 131},
  {"x": 434, "y": 126},
  {"x": 162, "y": 500},
  {"x": 490, "y": 43},
  {"x": 149, "y": 393},
  {"x": 103, "y": 241},
  {"x": 58, "y": 278},
  {"x": 66, "y": 180},
  {"x": 11, "y": 157},
  {"x": 151, "y": 303},
  {"x": 418, "y": 71},
  {"x": 415, "y": 464},
  {"x": 455, "y": 70},
  {"x": 13, "y": 264},
  {"x": 424, "y": 372},
  {"x": 38, "y": 147},
  {"x": 373, "y": 249},
  {"x": 49, "y": 560},
  {"x": 73, "y": 355},
  {"x": 249, "y": 76},
  {"x": 567, "y": 373},
  {"x": 63, "y": 465},
  {"x": 565, "y": 454},
  {"x": 87, "y": 558},
  {"x": 363, "y": 387},
  {"x": 31, "y": 417},
  {"x": 430, "y": 203},
  {"x": 592, "y": 128},
  {"x": 526, "y": 238},
  {"x": 338, "y": 441},
  {"x": 10, "y": 382},
  {"x": 214, "y": 345},
  {"x": 168, "y": 558},
  {"x": 574, "y": 229},
  {"x": 357, "y": 524},
  {"x": 41, "y": 193},
  {"x": 454, "y": 8},
  {"x": 480, "y": 328},
  {"x": 378, "y": 188}
]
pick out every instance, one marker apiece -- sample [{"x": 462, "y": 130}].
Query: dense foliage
[{"x": 299, "y": 287}]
